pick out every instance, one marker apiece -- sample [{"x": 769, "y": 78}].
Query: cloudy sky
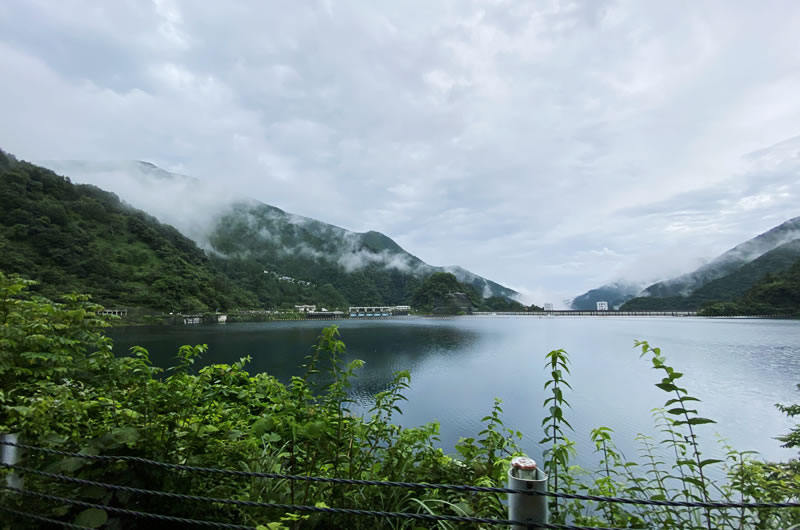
[{"x": 550, "y": 146}]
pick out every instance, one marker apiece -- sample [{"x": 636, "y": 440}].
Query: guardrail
[{"x": 521, "y": 499}]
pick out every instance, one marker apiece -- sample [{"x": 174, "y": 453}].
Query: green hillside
[
  {"x": 737, "y": 283},
  {"x": 79, "y": 238},
  {"x": 246, "y": 237},
  {"x": 775, "y": 294},
  {"x": 727, "y": 262},
  {"x": 443, "y": 292},
  {"x": 364, "y": 268},
  {"x": 727, "y": 288}
]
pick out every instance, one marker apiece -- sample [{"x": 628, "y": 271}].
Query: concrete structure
[
  {"x": 602, "y": 306},
  {"x": 326, "y": 315},
  {"x": 115, "y": 312},
  {"x": 305, "y": 308},
  {"x": 192, "y": 319},
  {"x": 379, "y": 311},
  {"x": 221, "y": 319},
  {"x": 548, "y": 307}
]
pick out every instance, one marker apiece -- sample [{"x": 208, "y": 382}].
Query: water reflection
[
  {"x": 739, "y": 368},
  {"x": 281, "y": 348}
]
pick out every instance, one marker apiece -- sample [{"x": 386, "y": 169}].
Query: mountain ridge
[
  {"x": 728, "y": 261},
  {"x": 284, "y": 242},
  {"x": 616, "y": 294}
]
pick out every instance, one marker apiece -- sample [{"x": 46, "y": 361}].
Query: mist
[
  {"x": 197, "y": 207},
  {"x": 191, "y": 205}
]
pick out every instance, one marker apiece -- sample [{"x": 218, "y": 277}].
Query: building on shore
[
  {"x": 326, "y": 315},
  {"x": 548, "y": 307},
  {"x": 115, "y": 312},
  {"x": 305, "y": 308},
  {"x": 379, "y": 311},
  {"x": 602, "y": 306}
]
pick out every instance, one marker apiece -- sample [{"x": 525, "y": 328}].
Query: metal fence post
[
  {"x": 10, "y": 454},
  {"x": 525, "y": 475}
]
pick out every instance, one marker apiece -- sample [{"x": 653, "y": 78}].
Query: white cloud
[{"x": 512, "y": 138}]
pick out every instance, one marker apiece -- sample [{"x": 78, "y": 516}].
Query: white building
[
  {"x": 602, "y": 306},
  {"x": 379, "y": 311},
  {"x": 305, "y": 308},
  {"x": 115, "y": 312},
  {"x": 548, "y": 307}
]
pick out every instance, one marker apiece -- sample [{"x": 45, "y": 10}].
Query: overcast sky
[{"x": 550, "y": 146}]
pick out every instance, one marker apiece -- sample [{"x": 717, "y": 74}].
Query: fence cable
[
  {"x": 410, "y": 485},
  {"x": 285, "y": 507}
]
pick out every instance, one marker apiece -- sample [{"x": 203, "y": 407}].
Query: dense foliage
[
  {"x": 79, "y": 238},
  {"x": 62, "y": 387},
  {"x": 443, "y": 291}
]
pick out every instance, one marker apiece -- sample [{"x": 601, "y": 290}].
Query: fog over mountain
[
  {"x": 727, "y": 262},
  {"x": 551, "y": 146},
  {"x": 231, "y": 226}
]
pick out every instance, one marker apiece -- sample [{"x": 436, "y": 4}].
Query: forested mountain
[
  {"x": 79, "y": 238},
  {"x": 728, "y": 275},
  {"x": 737, "y": 283},
  {"x": 729, "y": 287},
  {"x": 257, "y": 244},
  {"x": 727, "y": 262},
  {"x": 615, "y": 294},
  {"x": 366, "y": 268},
  {"x": 442, "y": 292},
  {"x": 775, "y": 294}
]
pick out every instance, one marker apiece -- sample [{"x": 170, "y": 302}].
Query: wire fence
[{"x": 304, "y": 508}]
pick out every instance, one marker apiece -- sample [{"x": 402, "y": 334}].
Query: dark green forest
[
  {"x": 775, "y": 294},
  {"x": 442, "y": 292},
  {"x": 739, "y": 292},
  {"x": 79, "y": 238}
]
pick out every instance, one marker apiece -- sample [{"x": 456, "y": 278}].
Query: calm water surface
[{"x": 739, "y": 368}]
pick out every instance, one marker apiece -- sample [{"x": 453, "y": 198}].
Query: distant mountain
[
  {"x": 366, "y": 268},
  {"x": 615, "y": 294},
  {"x": 775, "y": 294},
  {"x": 728, "y": 288},
  {"x": 728, "y": 276},
  {"x": 737, "y": 283},
  {"x": 79, "y": 238},
  {"x": 245, "y": 238},
  {"x": 728, "y": 262}
]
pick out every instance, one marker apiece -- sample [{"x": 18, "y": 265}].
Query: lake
[{"x": 739, "y": 368}]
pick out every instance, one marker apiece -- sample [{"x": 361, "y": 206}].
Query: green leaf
[
  {"x": 93, "y": 518},
  {"x": 676, "y": 400},
  {"x": 125, "y": 435},
  {"x": 700, "y": 421}
]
